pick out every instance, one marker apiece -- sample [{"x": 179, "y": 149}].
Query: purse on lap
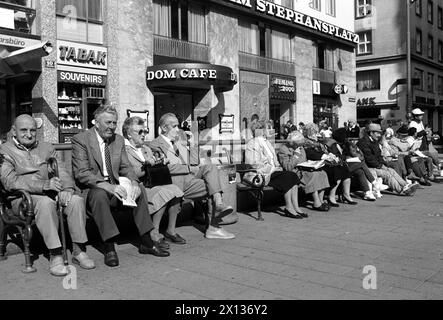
[{"x": 158, "y": 175}]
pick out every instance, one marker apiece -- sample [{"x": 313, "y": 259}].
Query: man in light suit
[
  {"x": 98, "y": 160},
  {"x": 196, "y": 181}
]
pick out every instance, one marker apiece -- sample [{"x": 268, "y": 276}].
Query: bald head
[{"x": 24, "y": 130}]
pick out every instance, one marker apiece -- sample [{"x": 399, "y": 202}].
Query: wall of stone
[
  {"x": 44, "y": 93},
  {"x": 129, "y": 34},
  {"x": 345, "y": 67},
  {"x": 254, "y": 95}
]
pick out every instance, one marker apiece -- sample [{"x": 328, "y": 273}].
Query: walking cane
[{"x": 52, "y": 163}]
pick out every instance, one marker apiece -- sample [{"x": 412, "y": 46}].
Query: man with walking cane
[{"x": 25, "y": 167}]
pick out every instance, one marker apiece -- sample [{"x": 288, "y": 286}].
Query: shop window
[
  {"x": 440, "y": 18},
  {"x": 365, "y": 44},
  {"x": 430, "y": 47},
  {"x": 419, "y": 74},
  {"x": 431, "y": 82},
  {"x": 418, "y": 8},
  {"x": 324, "y": 57},
  {"x": 430, "y": 11},
  {"x": 440, "y": 85},
  {"x": 80, "y": 20},
  {"x": 368, "y": 80},
  {"x": 18, "y": 15},
  {"x": 180, "y": 20},
  {"x": 330, "y": 7},
  {"x": 315, "y": 4},
  {"x": 363, "y": 8},
  {"x": 418, "y": 41}
]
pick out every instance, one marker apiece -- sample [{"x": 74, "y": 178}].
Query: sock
[
  {"x": 146, "y": 240},
  {"x": 109, "y": 246},
  {"x": 55, "y": 252}
]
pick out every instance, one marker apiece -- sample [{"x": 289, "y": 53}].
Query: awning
[
  {"x": 24, "y": 60},
  {"x": 191, "y": 75}
]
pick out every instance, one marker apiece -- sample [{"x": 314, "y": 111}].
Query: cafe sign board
[{"x": 82, "y": 55}]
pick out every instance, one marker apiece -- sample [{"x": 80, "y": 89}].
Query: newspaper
[
  {"x": 312, "y": 164},
  {"x": 351, "y": 160},
  {"x": 420, "y": 154},
  {"x": 126, "y": 183}
]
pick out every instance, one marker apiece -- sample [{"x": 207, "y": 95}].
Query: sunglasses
[{"x": 145, "y": 132}]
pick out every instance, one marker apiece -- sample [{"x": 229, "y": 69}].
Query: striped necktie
[
  {"x": 177, "y": 152},
  {"x": 108, "y": 164}
]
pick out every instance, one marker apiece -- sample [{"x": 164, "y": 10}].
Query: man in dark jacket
[{"x": 370, "y": 147}]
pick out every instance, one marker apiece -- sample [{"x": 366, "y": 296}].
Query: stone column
[
  {"x": 345, "y": 75},
  {"x": 129, "y": 37},
  {"x": 44, "y": 93}
]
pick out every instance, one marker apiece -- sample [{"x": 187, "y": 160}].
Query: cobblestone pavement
[{"x": 317, "y": 258}]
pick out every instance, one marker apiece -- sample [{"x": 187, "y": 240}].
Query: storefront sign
[
  {"x": 316, "y": 87},
  {"x": 17, "y": 42},
  {"x": 272, "y": 9},
  {"x": 366, "y": 102},
  {"x": 83, "y": 78},
  {"x": 191, "y": 75},
  {"x": 226, "y": 123},
  {"x": 282, "y": 88},
  {"x": 82, "y": 55}
]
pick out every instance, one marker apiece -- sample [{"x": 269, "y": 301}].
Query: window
[
  {"x": 419, "y": 74},
  {"x": 249, "y": 37},
  {"x": 430, "y": 82},
  {"x": 315, "y": 4},
  {"x": 365, "y": 44},
  {"x": 330, "y": 7},
  {"x": 80, "y": 20},
  {"x": 418, "y": 8},
  {"x": 440, "y": 51},
  {"x": 440, "y": 85},
  {"x": 285, "y": 3},
  {"x": 418, "y": 41},
  {"x": 324, "y": 57},
  {"x": 18, "y": 15},
  {"x": 440, "y": 18},
  {"x": 368, "y": 80},
  {"x": 430, "y": 11},
  {"x": 430, "y": 47},
  {"x": 180, "y": 20},
  {"x": 364, "y": 8},
  {"x": 280, "y": 45}
]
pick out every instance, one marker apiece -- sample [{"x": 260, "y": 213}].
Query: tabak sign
[
  {"x": 287, "y": 14},
  {"x": 282, "y": 88},
  {"x": 82, "y": 55}
]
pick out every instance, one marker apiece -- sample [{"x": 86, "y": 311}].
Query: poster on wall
[{"x": 226, "y": 123}]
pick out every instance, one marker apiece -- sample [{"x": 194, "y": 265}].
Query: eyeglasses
[{"x": 145, "y": 132}]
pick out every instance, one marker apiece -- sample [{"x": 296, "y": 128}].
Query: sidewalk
[{"x": 317, "y": 258}]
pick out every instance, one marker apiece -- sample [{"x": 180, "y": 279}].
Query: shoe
[
  {"x": 350, "y": 202},
  {"x": 304, "y": 215},
  {"x": 154, "y": 250},
  {"x": 323, "y": 208},
  {"x": 409, "y": 190},
  {"x": 83, "y": 261},
  {"x": 431, "y": 177},
  {"x": 111, "y": 259},
  {"x": 229, "y": 219},
  {"x": 218, "y": 233},
  {"x": 412, "y": 176},
  {"x": 332, "y": 204},
  {"x": 177, "y": 239},
  {"x": 369, "y": 196},
  {"x": 378, "y": 194},
  {"x": 223, "y": 211},
  {"x": 57, "y": 267},
  {"x": 291, "y": 215},
  {"x": 162, "y": 244},
  {"x": 425, "y": 182}
]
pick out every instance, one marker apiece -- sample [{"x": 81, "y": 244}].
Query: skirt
[
  {"x": 283, "y": 181},
  {"x": 314, "y": 181},
  {"x": 336, "y": 173},
  {"x": 159, "y": 196}
]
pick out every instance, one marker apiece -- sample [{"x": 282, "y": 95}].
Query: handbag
[{"x": 158, "y": 175}]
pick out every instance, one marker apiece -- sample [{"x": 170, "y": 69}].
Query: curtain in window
[
  {"x": 95, "y": 10},
  {"x": 284, "y": 3},
  {"x": 368, "y": 80},
  {"x": 162, "y": 18},
  {"x": 196, "y": 24},
  {"x": 281, "y": 45},
  {"x": 64, "y": 7},
  {"x": 329, "y": 59},
  {"x": 249, "y": 38}
]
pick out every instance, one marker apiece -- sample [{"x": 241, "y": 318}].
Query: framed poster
[
  {"x": 141, "y": 114},
  {"x": 226, "y": 123}
]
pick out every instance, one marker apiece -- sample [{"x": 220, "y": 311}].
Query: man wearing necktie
[
  {"x": 98, "y": 160},
  {"x": 195, "y": 181}
]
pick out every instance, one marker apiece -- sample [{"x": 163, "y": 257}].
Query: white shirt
[
  {"x": 169, "y": 141},
  {"x": 416, "y": 125},
  {"x": 102, "y": 145},
  {"x": 138, "y": 151}
]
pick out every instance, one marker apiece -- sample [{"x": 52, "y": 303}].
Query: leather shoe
[
  {"x": 291, "y": 215},
  {"x": 332, "y": 204},
  {"x": 111, "y": 259},
  {"x": 223, "y": 211},
  {"x": 162, "y": 244},
  {"x": 154, "y": 250},
  {"x": 176, "y": 238},
  {"x": 83, "y": 261},
  {"x": 323, "y": 208},
  {"x": 304, "y": 215}
]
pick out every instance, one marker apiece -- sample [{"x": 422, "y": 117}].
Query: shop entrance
[
  {"x": 179, "y": 103},
  {"x": 279, "y": 113},
  {"x": 324, "y": 110},
  {"x": 365, "y": 116}
]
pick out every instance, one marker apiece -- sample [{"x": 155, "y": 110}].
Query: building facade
[
  {"x": 382, "y": 60},
  {"x": 213, "y": 63}
]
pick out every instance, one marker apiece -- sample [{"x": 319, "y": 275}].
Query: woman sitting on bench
[{"x": 261, "y": 153}]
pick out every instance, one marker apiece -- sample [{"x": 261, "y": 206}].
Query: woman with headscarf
[{"x": 261, "y": 153}]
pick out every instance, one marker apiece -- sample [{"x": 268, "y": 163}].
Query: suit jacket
[
  {"x": 135, "y": 160},
  {"x": 87, "y": 161},
  {"x": 178, "y": 164},
  {"x": 28, "y": 169},
  {"x": 372, "y": 152},
  {"x": 289, "y": 158}
]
